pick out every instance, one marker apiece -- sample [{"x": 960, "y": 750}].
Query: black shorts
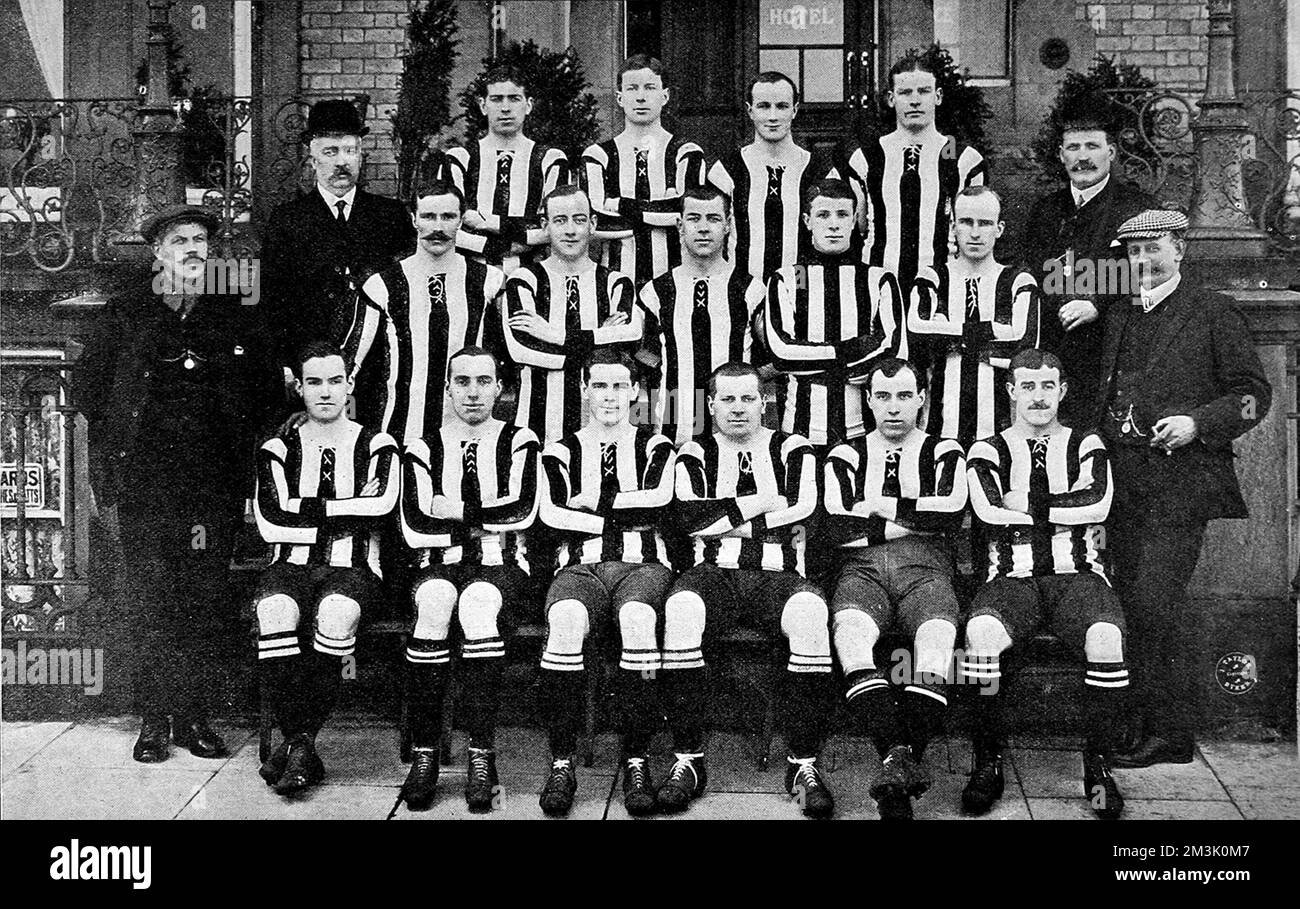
[
  {"x": 742, "y": 597},
  {"x": 1065, "y": 604},
  {"x": 901, "y": 584},
  {"x": 605, "y": 586},
  {"x": 307, "y": 585},
  {"x": 513, "y": 582}
]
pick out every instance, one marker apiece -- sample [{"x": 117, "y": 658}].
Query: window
[
  {"x": 976, "y": 33},
  {"x": 806, "y": 42}
]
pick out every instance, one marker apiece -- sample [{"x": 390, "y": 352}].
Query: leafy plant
[
  {"x": 201, "y": 115},
  {"x": 424, "y": 93}
]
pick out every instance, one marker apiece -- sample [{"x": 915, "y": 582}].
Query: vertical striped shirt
[
  {"x": 825, "y": 324},
  {"x": 1067, "y": 478},
  {"x": 307, "y": 501},
  {"x": 418, "y": 318},
  {"x": 491, "y": 472},
  {"x": 636, "y": 193},
  {"x": 699, "y": 322},
  {"x": 970, "y": 326},
  {"x": 576, "y": 307},
  {"x": 723, "y": 487},
  {"x": 923, "y": 481},
  {"x": 633, "y": 479}
]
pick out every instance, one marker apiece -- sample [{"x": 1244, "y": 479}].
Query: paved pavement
[{"x": 84, "y": 770}]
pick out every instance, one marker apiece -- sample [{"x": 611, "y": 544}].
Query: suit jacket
[
  {"x": 1202, "y": 363},
  {"x": 1055, "y": 226},
  {"x": 311, "y": 270}
]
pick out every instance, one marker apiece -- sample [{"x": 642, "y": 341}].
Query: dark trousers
[
  {"x": 176, "y": 558},
  {"x": 1152, "y": 561}
]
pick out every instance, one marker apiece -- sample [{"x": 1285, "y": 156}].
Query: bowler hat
[
  {"x": 334, "y": 115},
  {"x": 156, "y": 223}
]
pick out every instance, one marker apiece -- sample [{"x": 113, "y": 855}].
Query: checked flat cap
[{"x": 1152, "y": 223}]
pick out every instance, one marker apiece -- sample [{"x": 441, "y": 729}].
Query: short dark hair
[
  {"x": 771, "y": 77},
  {"x": 732, "y": 369},
  {"x": 707, "y": 193},
  {"x": 313, "y": 349},
  {"x": 437, "y": 187},
  {"x": 974, "y": 192},
  {"x": 473, "y": 350},
  {"x": 1090, "y": 112},
  {"x": 913, "y": 61},
  {"x": 1033, "y": 358},
  {"x": 608, "y": 355},
  {"x": 892, "y": 366},
  {"x": 829, "y": 188},
  {"x": 640, "y": 61},
  {"x": 562, "y": 191},
  {"x": 504, "y": 72}
]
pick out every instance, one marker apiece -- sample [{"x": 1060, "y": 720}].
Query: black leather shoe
[
  {"x": 151, "y": 746},
  {"x": 422, "y": 781},
  {"x": 1100, "y": 788},
  {"x": 198, "y": 737},
  {"x": 273, "y": 768},
  {"x": 987, "y": 777},
  {"x": 1154, "y": 750},
  {"x": 302, "y": 767}
]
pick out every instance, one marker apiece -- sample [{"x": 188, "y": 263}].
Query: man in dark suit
[
  {"x": 1068, "y": 249},
  {"x": 320, "y": 247},
  {"x": 1182, "y": 380}
]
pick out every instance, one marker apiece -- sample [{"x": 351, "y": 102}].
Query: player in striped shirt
[
  {"x": 322, "y": 491},
  {"x": 827, "y": 320},
  {"x": 1044, "y": 490},
  {"x": 637, "y": 179},
  {"x": 504, "y": 175},
  {"x": 743, "y": 492},
  {"x": 968, "y": 317},
  {"x": 890, "y": 499},
  {"x": 467, "y": 492},
  {"x": 607, "y": 488},
  {"x": 416, "y": 313},
  {"x": 907, "y": 179},
  {"x": 559, "y": 309}
]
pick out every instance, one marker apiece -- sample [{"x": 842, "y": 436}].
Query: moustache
[
  {"x": 439, "y": 235},
  {"x": 1084, "y": 165},
  {"x": 1038, "y": 407}
]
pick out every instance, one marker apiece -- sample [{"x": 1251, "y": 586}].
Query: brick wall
[
  {"x": 350, "y": 47},
  {"x": 1166, "y": 38}
]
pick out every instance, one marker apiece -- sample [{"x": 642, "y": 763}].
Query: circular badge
[{"x": 1236, "y": 672}]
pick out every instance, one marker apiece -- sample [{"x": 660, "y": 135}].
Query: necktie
[
  {"x": 325, "y": 487},
  {"x": 642, "y": 189},
  {"x": 972, "y": 299},
  {"x": 437, "y": 290},
  {"x": 572, "y": 302},
  {"x": 501, "y": 195},
  {"x": 470, "y": 492},
  {"x": 745, "y": 484},
  {"x": 889, "y": 487},
  {"x": 341, "y": 218},
  {"x": 608, "y": 469},
  {"x": 773, "y": 218}
]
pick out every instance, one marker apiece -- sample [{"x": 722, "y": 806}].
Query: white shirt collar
[
  {"x": 1084, "y": 196},
  {"x": 331, "y": 200},
  {"x": 1156, "y": 295}
]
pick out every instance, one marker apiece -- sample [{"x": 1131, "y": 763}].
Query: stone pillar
[
  {"x": 1220, "y": 224},
  {"x": 159, "y": 178}
]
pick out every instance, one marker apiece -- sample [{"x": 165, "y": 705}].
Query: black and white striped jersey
[
  {"x": 576, "y": 307},
  {"x": 627, "y": 484},
  {"x": 922, "y": 481},
  {"x": 489, "y": 473},
  {"x": 968, "y": 325},
  {"x": 1068, "y": 481},
  {"x": 307, "y": 501},
  {"x": 724, "y": 491},
  {"x": 414, "y": 318}
]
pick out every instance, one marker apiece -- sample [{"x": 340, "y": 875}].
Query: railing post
[
  {"x": 1221, "y": 226},
  {"x": 159, "y": 177}
]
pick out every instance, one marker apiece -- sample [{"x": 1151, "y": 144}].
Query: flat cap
[
  {"x": 1152, "y": 223},
  {"x": 155, "y": 224}
]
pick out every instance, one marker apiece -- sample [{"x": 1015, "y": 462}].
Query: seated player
[
  {"x": 742, "y": 493},
  {"x": 890, "y": 498},
  {"x": 323, "y": 490},
  {"x": 1044, "y": 490},
  {"x": 466, "y": 494},
  {"x": 607, "y": 488}
]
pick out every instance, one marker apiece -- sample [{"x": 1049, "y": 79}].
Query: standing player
[
  {"x": 1044, "y": 490},
  {"x": 322, "y": 492},
  {"x": 742, "y": 492},
  {"x": 419, "y": 311},
  {"x": 607, "y": 486},
  {"x": 559, "y": 309},
  {"x": 466, "y": 492},
  {"x": 827, "y": 320},
  {"x": 907, "y": 179},
  {"x": 636, "y": 179},
  {"x": 504, "y": 175},
  {"x": 890, "y": 498},
  {"x": 969, "y": 316}
]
